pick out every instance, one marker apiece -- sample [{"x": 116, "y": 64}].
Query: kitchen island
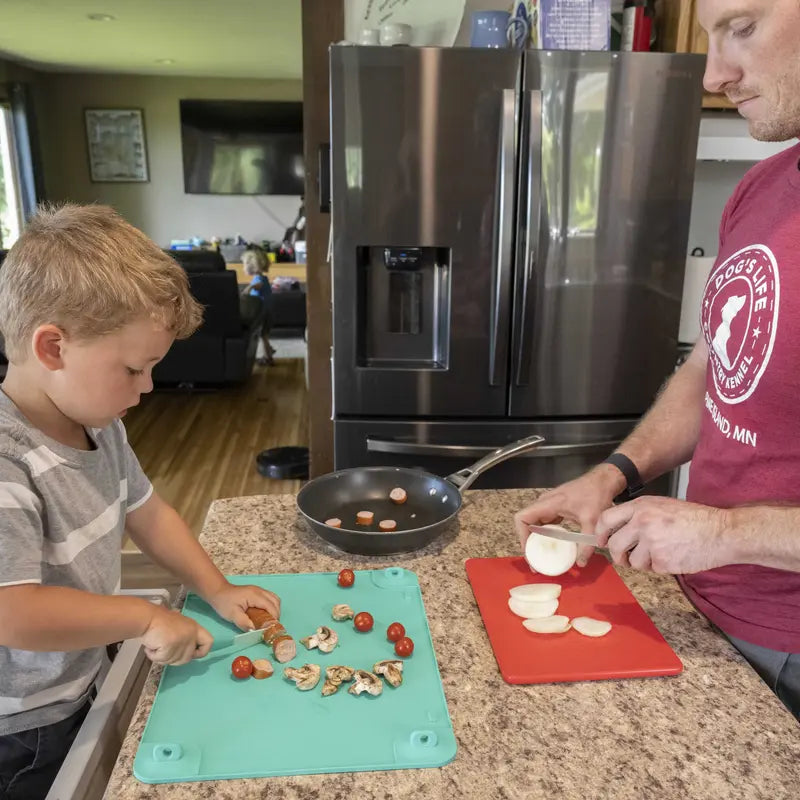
[{"x": 715, "y": 731}]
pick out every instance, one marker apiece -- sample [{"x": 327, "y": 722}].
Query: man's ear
[{"x": 48, "y": 346}]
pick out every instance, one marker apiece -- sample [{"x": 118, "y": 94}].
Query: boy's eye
[{"x": 132, "y": 371}]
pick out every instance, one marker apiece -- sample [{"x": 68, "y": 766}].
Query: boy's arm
[
  {"x": 57, "y": 618},
  {"x": 160, "y": 533}
]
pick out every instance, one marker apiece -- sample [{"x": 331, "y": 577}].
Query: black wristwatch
[{"x": 632, "y": 476}]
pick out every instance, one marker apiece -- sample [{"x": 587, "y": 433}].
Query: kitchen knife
[
  {"x": 239, "y": 642},
  {"x": 568, "y": 536}
]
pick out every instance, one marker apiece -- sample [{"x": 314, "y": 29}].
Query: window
[{"x": 10, "y": 201}]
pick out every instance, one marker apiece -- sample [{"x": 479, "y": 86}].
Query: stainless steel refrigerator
[{"x": 509, "y": 241}]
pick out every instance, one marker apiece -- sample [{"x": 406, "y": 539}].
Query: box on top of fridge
[{"x": 570, "y": 24}]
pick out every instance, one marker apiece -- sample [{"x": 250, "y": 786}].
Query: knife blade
[
  {"x": 569, "y": 536},
  {"x": 564, "y": 535},
  {"x": 239, "y": 642}
]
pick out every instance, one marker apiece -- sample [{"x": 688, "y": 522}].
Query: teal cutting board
[{"x": 206, "y": 725}]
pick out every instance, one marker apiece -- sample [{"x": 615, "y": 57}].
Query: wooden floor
[{"x": 198, "y": 447}]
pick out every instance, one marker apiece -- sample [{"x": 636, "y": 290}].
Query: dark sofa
[
  {"x": 223, "y": 349},
  {"x": 289, "y": 311}
]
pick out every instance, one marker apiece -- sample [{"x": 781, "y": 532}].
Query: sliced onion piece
[
  {"x": 536, "y": 591},
  {"x": 550, "y": 556},
  {"x": 532, "y": 609},
  {"x": 554, "y": 624},
  {"x": 591, "y": 627}
]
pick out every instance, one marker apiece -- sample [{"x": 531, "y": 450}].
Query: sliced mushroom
[
  {"x": 325, "y": 639},
  {"x": 306, "y": 677},
  {"x": 342, "y": 611},
  {"x": 335, "y": 676},
  {"x": 392, "y": 671},
  {"x": 366, "y": 682}
]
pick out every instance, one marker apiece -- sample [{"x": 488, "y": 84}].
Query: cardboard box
[{"x": 572, "y": 24}]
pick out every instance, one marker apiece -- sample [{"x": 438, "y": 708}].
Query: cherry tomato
[
  {"x": 395, "y": 632},
  {"x": 404, "y": 647},
  {"x": 242, "y": 667},
  {"x": 346, "y": 578},
  {"x": 363, "y": 621}
]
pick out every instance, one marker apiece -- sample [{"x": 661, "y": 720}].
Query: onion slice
[
  {"x": 591, "y": 627},
  {"x": 536, "y": 591},
  {"x": 532, "y": 609},
  {"x": 554, "y": 624}
]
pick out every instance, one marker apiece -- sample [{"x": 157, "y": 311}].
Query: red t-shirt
[{"x": 749, "y": 446}]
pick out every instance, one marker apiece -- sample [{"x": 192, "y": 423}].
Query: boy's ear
[{"x": 48, "y": 346}]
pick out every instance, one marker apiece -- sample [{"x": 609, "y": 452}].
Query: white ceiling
[{"x": 212, "y": 38}]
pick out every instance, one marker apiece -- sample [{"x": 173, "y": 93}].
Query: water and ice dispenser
[{"x": 403, "y": 307}]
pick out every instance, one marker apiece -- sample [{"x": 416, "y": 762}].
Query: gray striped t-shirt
[{"x": 62, "y": 517}]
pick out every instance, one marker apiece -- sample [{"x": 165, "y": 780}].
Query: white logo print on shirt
[{"x": 739, "y": 319}]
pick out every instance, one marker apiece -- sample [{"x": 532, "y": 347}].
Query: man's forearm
[
  {"x": 668, "y": 433},
  {"x": 57, "y": 618},
  {"x": 765, "y": 535},
  {"x": 161, "y": 534}
]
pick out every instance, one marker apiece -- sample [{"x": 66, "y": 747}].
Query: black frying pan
[{"x": 432, "y": 502}]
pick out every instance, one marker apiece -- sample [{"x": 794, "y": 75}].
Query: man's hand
[
  {"x": 172, "y": 638},
  {"x": 664, "y": 535},
  {"x": 581, "y": 500},
  {"x": 231, "y": 602}
]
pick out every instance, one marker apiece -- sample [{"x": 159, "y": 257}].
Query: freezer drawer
[{"x": 571, "y": 447}]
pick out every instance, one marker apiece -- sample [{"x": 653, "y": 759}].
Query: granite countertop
[{"x": 715, "y": 731}]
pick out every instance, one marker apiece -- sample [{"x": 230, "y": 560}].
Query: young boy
[
  {"x": 255, "y": 264},
  {"x": 88, "y": 305}
]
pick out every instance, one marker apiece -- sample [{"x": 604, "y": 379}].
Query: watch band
[{"x": 632, "y": 476}]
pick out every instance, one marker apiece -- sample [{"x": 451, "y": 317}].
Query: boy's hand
[
  {"x": 232, "y": 601},
  {"x": 172, "y": 638}
]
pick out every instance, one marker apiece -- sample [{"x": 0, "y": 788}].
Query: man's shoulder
[{"x": 777, "y": 166}]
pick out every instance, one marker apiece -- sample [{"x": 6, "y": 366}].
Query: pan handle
[{"x": 464, "y": 478}]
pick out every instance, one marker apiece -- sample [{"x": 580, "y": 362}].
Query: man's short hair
[{"x": 88, "y": 271}]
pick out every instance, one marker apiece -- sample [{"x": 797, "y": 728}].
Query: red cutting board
[{"x": 632, "y": 649}]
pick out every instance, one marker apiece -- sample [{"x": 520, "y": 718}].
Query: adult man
[{"x": 733, "y": 406}]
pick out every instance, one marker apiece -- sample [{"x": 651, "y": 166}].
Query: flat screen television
[{"x": 242, "y": 147}]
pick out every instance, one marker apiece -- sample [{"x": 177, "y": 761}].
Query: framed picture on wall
[{"x": 117, "y": 150}]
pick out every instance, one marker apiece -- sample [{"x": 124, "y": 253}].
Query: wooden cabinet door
[{"x": 680, "y": 32}]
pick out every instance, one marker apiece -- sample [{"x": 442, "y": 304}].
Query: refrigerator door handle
[
  {"x": 532, "y": 230},
  {"x": 476, "y": 451},
  {"x": 504, "y": 241}
]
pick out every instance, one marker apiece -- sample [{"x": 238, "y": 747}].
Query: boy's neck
[{"x": 41, "y": 412}]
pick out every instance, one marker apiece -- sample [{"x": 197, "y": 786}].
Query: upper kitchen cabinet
[{"x": 680, "y": 32}]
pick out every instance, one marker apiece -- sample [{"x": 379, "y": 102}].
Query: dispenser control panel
[{"x": 409, "y": 258}]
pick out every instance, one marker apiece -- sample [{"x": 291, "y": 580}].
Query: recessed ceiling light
[
  {"x": 165, "y": 61},
  {"x": 101, "y": 17}
]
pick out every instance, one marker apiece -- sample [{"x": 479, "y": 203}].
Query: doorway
[{"x": 11, "y": 218}]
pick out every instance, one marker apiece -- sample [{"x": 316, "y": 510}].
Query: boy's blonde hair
[
  {"x": 88, "y": 271},
  {"x": 255, "y": 261}
]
